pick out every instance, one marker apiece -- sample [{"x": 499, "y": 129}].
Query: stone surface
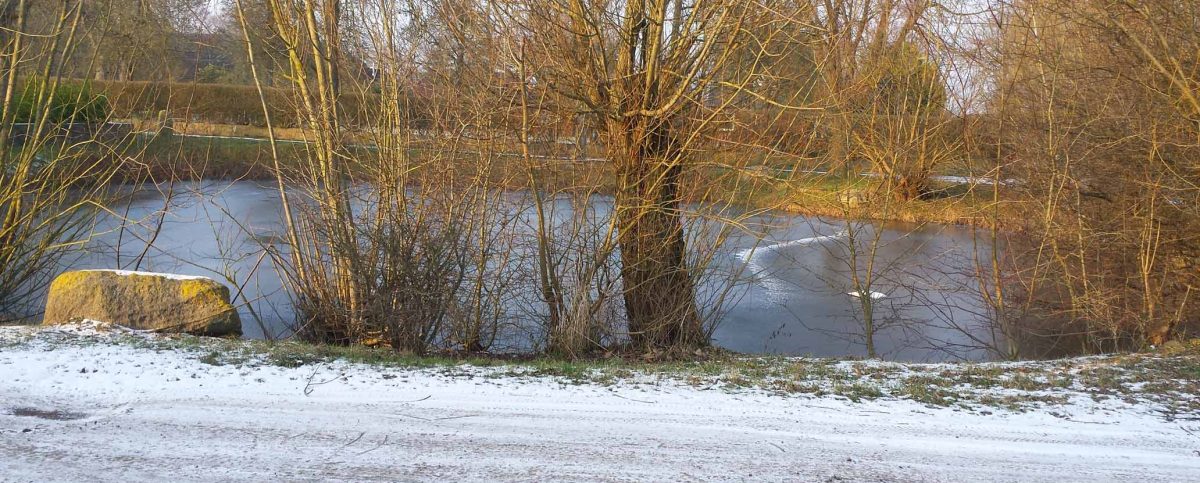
[
  {"x": 853, "y": 198},
  {"x": 142, "y": 300}
]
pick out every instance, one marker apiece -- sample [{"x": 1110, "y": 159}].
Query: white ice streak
[
  {"x": 755, "y": 269},
  {"x": 748, "y": 254}
]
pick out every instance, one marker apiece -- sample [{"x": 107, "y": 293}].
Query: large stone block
[{"x": 142, "y": 300}]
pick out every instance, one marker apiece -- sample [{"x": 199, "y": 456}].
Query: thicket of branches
[
  {"x": 1081, "y": 114},
  {"x": 48, "y": 192},
  {"x": 1095, "y": 112},
  {"x": 583, "y": 159}
]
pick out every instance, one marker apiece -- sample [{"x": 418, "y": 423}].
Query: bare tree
[
  {"x": 648, "y": 72},
  {"x": 49, "y": 187}
]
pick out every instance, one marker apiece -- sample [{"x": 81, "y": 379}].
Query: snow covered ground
[{"x": 73, "y": 409}]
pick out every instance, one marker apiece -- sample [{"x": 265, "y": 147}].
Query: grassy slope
[{"x": 1168, "y": 383}]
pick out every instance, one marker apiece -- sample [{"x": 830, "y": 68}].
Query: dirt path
[{"x": 119, "y": 413}]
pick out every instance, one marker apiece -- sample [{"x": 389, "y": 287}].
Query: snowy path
[{"x": 142, "y": 415}]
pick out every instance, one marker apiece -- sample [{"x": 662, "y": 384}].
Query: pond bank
[
  {"x": 197, "y": 156},
  {"x": 1167, "y": 382}
]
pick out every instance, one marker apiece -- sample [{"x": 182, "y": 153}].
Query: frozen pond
[{"x": 794, "y": 297}]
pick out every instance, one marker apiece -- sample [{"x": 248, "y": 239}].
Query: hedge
[{"x": 220, "y": 103}]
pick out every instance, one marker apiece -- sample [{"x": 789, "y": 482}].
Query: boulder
[
  {"x": 160, "y": 302},
  {"x": 853, "y": 198}
]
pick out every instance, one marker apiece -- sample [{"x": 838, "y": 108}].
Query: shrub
[
  {"x": 212, "y": 74},
  {"x": 69, "y": 102}
]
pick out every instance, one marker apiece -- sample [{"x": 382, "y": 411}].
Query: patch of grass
[
  {"x": 977, "y": 375},
  {"x": 737, "y": 379},
  {"x": 212, "y": 358},
  {"x": 876, "y": 372},
  {"x": 929, "y": 390},
  {"x": 954, "y": 204},
  {"x": 1022, "y": 381},
  {"x": 1191, "y": 371},
  {"x": 858, "y": 391},
  {"x": 1105, "y": 380},
  {"x": 1061, "y": 381},
  {"x": 796, "y": 387},
  {"x": 1020, "y": 403},
  {"x": 816, "y": 369}
]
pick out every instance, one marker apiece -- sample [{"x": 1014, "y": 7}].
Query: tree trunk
[
  {"x": 658, "y": 289},
  {"x": 907, "y": 188}
]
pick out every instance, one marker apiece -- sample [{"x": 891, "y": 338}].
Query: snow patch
[
  {"x": 129, "y": 273},
  {"x": 163, "y": 413}
]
